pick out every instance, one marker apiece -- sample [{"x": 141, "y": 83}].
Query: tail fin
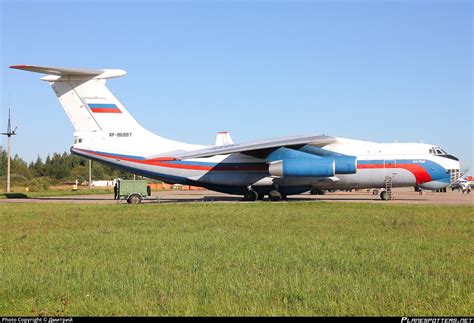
[
  {"x": 100, "y": 120},
  {"x": 87, "y": 101}
]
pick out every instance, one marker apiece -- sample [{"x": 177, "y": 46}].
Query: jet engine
[
  {"x": 310, "y": 167},
  {"x": 345, "y": 164}
]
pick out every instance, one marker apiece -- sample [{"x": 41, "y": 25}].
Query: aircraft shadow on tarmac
[
  {"x": 68, "y": 198},
  {"x": 15, "y": 195},
  {"x": 204, "y": 199},
  {"x": 290, "y": 199}
]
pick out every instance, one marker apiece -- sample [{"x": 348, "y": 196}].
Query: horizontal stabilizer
[
  {"x": 60, "y": 71},
  {"x": 70, "y": 73}
]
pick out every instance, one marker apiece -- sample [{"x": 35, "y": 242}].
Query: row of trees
[{"x": 57, "y": 169}]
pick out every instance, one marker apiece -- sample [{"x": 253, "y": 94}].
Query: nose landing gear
[{"x": 384, "y": 195}]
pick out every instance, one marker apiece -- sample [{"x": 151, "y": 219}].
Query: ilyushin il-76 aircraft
[{"x": 106, "y": 132}]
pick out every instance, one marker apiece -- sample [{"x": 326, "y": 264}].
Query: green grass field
[
  {"x": 55, "y": 192},
  {"x": 236, "y": 259}
]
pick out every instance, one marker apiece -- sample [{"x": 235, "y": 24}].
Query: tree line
[{"x": 56, "y": 169}]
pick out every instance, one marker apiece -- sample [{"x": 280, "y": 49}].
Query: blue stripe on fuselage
[{"x": 435, "y": 170}]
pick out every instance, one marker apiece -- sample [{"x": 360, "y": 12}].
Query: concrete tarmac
[{"x": 401, "y": 196}]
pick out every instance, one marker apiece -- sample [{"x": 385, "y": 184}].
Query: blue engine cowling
[
  {"x": 304, "y": 167},
  {"x": 346, "y": 164}
]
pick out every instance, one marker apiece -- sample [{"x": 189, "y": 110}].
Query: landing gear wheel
[
  {"x": 317, "y": 191},
  {"x": 275, "y": 196},
  {"x": 134, "y": 199},
  {"x": 384, "y": 195},
  {"x": 261, "y": 196},
  {"x": 251, "y": 196}
]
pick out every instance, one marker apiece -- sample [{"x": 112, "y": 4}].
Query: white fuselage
[{"x": 407, "y": 164}]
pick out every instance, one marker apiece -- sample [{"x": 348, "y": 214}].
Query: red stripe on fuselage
[
  {"x": 167, "y": 162},
  {"x": 105, "y": 110},
  {"x": 218, "y": 167},
  {"x": 421, "y": 175}
]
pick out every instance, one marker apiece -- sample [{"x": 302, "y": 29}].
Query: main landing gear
[
  {"x": 275, "y": 196},
  {"x": 252, "y": 196},
  {"x": 317, "y": 191}
]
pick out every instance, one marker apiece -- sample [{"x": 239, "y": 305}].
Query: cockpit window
[{"x": 437, "y": 151}]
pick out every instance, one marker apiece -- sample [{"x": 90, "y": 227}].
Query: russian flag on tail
[{"x": 104, "y": 108}]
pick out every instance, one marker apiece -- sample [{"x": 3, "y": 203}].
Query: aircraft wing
[{"x": 260, "y": 148}]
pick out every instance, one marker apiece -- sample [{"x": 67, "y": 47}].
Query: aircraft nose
[
  {"x": 437, "y": 184},
  {"x": 451, "y": 166},
  {"x": 442, "y": 172}
]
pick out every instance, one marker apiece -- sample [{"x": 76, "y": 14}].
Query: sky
[{"x": 382, "y": 71}]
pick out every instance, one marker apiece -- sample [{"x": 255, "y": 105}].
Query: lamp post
[
  {"x": 90, "y": 174},
  {"x": 9, "y": 134}
]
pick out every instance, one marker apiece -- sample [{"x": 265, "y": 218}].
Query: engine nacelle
[
  {"x": 346, "y": 164},
  {"x": 304, "y": 167}
]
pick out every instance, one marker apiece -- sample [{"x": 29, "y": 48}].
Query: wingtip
[{"x": 19, "y": 66}]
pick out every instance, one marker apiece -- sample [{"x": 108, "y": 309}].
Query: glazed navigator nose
[{"x": 448, "y": 173}]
